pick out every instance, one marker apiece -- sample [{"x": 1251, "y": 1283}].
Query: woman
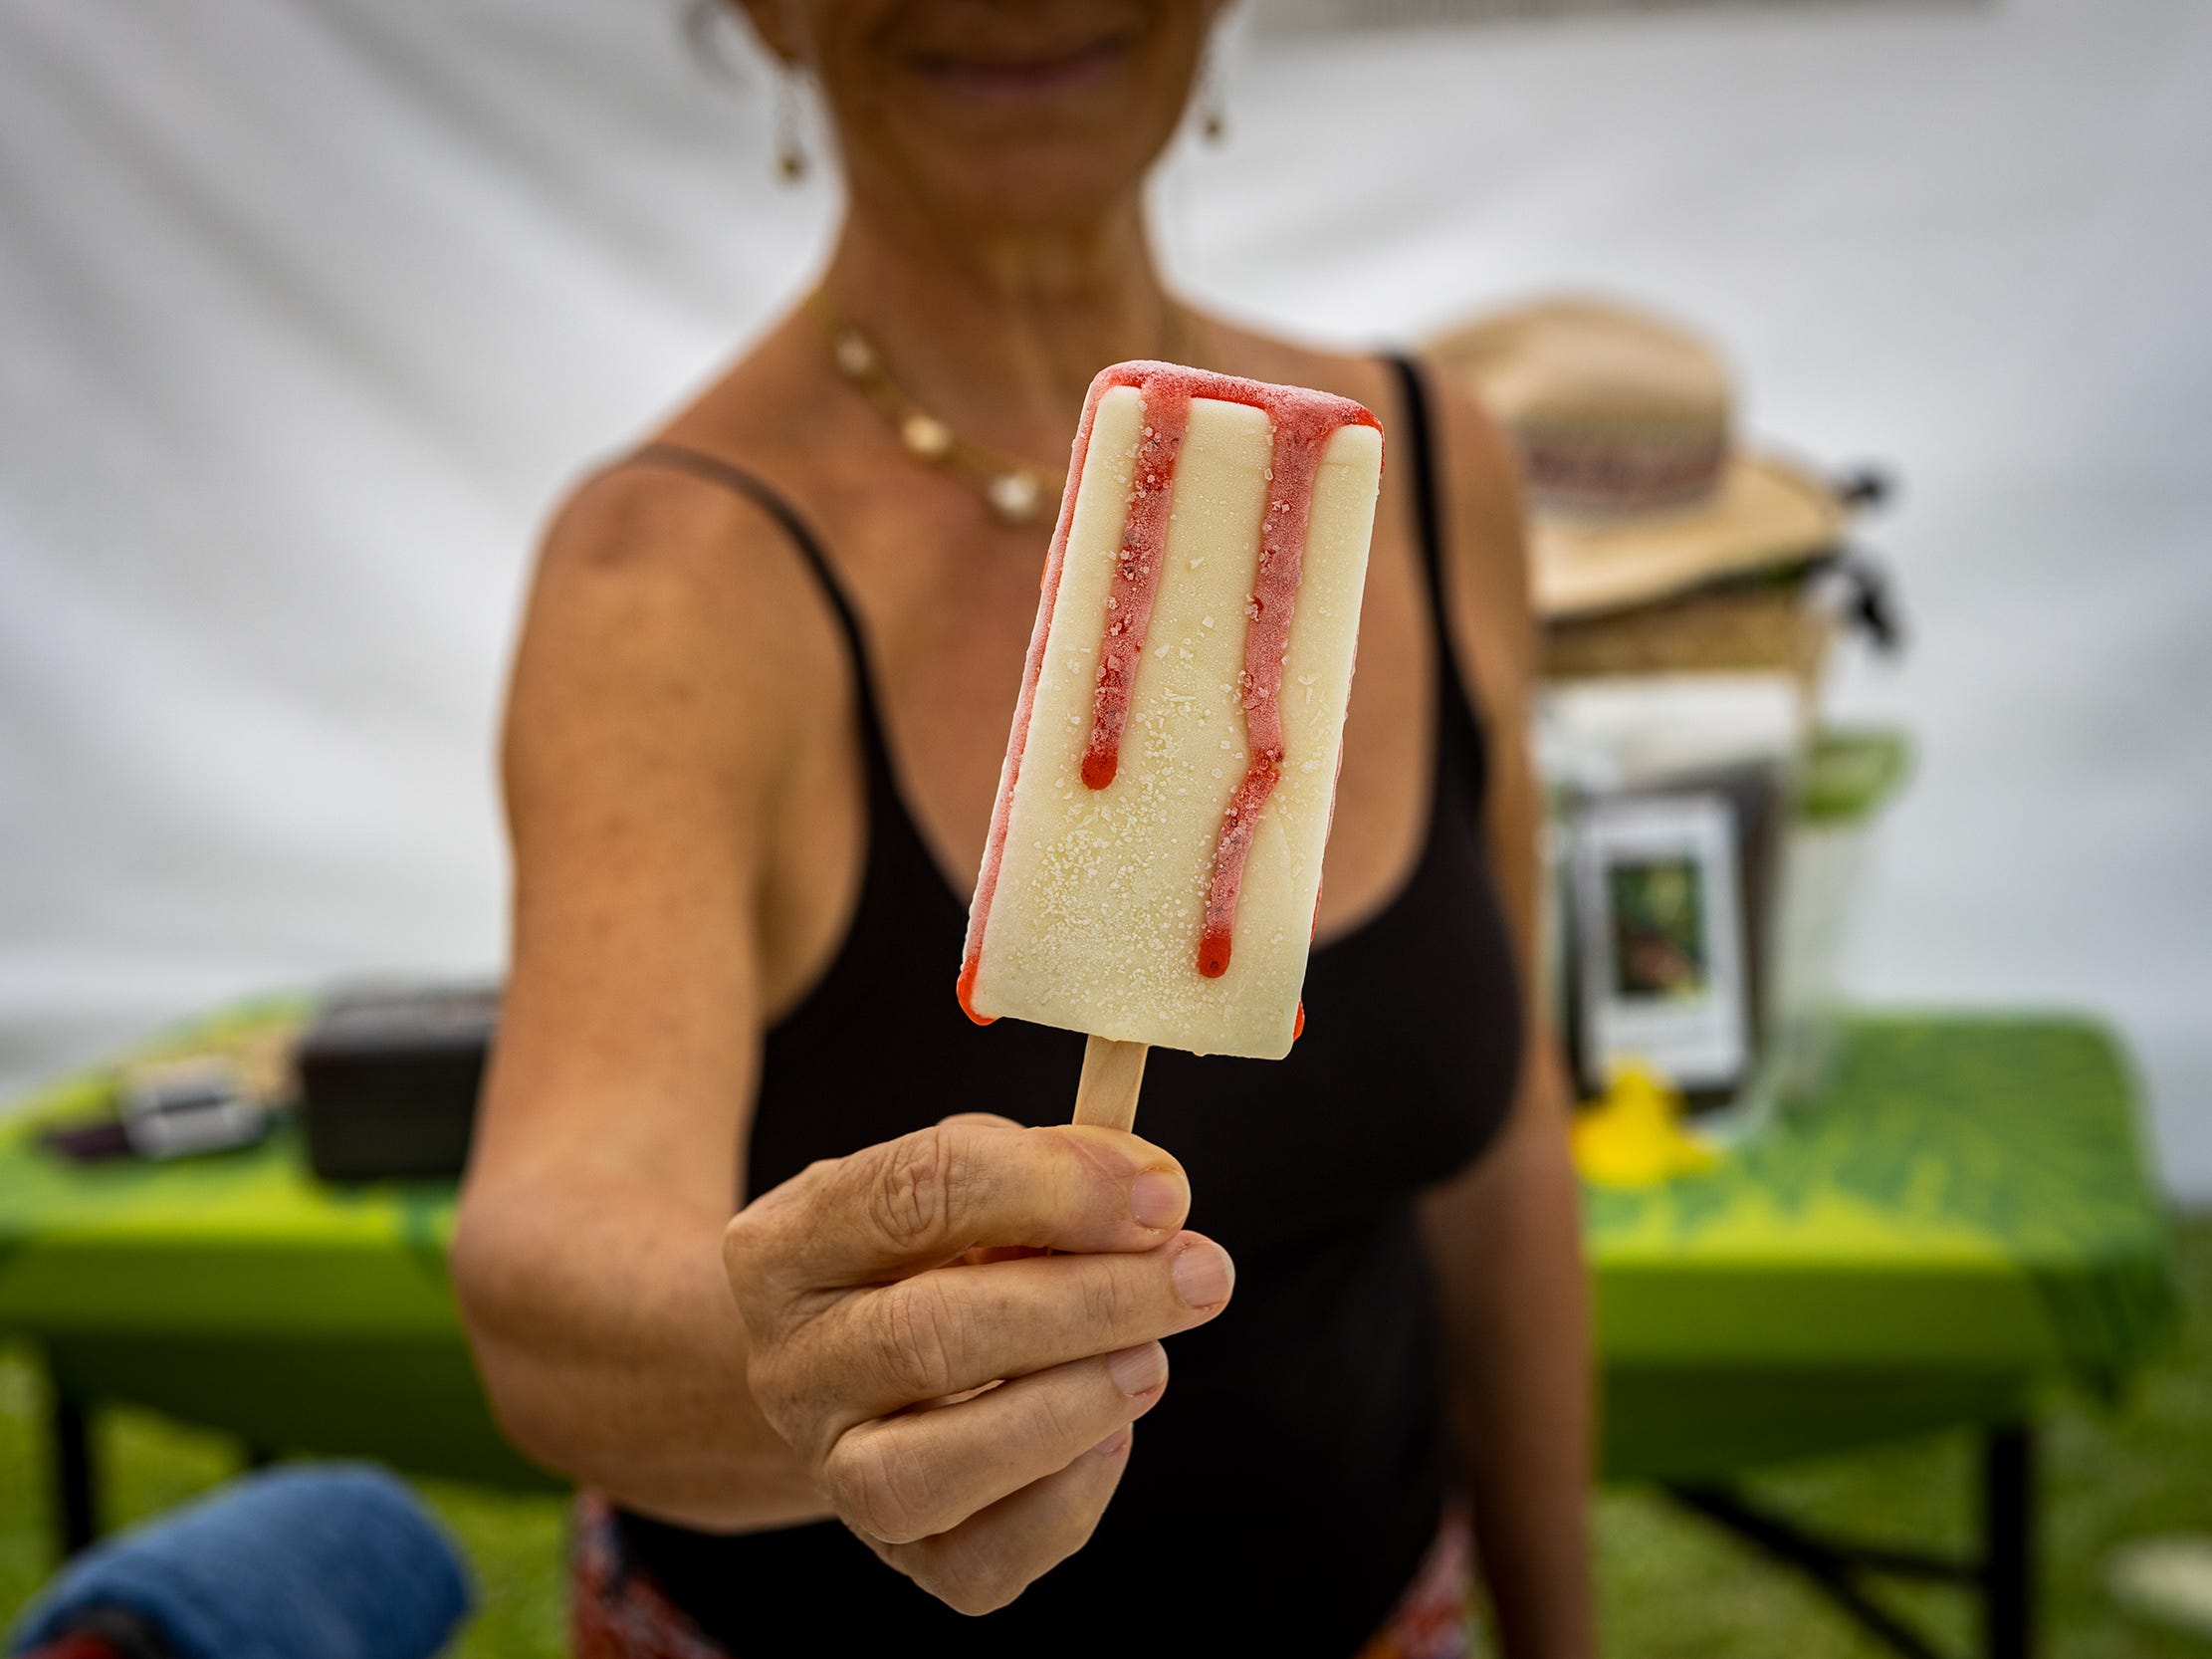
[{"x": 755, "y": 733}]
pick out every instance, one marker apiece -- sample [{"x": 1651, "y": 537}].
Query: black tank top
[{"x": 1295, "y": 1467}]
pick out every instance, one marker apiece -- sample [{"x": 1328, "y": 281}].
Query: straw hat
[{"x": 1637, "y": 490}]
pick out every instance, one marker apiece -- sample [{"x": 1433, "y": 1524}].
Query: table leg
[
  {"x": 2009, "y": 1541},
  {"x": 1836, "y": 1567},
  {"x": 75, "y": 1516}
]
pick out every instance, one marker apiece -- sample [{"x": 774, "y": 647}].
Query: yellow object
[{"x": 1632, "y": 1134}]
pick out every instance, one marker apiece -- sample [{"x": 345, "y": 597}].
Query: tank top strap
[
  {"x": 1460, "y": 733},
  {"x": 772, "y": 501}
]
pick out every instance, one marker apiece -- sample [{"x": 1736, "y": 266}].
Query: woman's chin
[
  {"x": 1049, "y": 147},
  {"x": 1033, "y": 186}
]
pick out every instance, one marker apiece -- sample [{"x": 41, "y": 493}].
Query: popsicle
[{"x": 1154, "y": 860}]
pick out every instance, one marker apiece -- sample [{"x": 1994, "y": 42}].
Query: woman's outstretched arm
[
  {"x": 1505, "y": 1237},
  {"x": 644, "y": 746}
]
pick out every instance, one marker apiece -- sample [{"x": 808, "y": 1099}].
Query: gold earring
[
  {"x": 1213, "y": 103},
  {"x": 791, "y": 162}
]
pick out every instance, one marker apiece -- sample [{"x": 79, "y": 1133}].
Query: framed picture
[{"x": 1660, "y": 976}]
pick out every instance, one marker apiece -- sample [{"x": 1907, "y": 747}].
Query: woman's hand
[{"x": 966, "y": 1407}]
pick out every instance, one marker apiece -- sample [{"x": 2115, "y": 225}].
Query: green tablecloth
[{"x": 1963, "y": 1220}]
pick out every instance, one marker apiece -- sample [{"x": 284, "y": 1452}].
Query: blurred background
[{"x": 310, "y": 309}]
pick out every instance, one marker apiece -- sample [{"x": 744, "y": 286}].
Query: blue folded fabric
[{"x": 304, "y": 1562}]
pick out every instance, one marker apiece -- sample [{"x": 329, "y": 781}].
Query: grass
[{"x": 1672, "y": 1587}]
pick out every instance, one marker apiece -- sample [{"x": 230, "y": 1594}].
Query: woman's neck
[{"x": 1000, "y": 336}]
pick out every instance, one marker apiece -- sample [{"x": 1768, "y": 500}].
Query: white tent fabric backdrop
[{"x": 309, "y": 308}]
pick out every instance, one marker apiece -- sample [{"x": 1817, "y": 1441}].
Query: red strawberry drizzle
[
  {"x": 1282, "y": 543},
  {"x": 1143, "y": 541}
]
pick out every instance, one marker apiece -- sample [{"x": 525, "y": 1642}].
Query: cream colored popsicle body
[{"x": 1155, "y": 855}]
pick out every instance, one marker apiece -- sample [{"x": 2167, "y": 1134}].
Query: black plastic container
[{"x": 388, "y": 1080}]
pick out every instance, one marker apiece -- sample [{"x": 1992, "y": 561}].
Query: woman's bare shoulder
[{"x": 670, "y": 617}]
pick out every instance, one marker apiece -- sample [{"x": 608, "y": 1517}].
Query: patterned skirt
[{"x": 617, "y": 1612}]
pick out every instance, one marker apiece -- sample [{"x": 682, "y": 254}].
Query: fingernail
[
  {"x": 1156, "y": 1198},
  {"x": 1204, "y": 1274},
  {"x": 1112, "y": 1446},
  {"x": 1139, "y": 1370}
]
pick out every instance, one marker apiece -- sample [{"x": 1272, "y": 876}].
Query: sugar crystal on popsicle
[{"x": 1155, "y": 853}]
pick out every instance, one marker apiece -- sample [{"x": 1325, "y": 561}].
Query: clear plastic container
[{"x": 1850, "y": 775}]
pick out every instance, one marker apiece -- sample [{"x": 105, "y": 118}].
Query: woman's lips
[{"x": 1041, "y": 75}]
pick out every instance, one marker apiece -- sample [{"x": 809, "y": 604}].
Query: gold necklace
[{"x": 1018, "y": 491}]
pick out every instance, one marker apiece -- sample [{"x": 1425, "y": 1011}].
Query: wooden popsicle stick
[{"x": 1112, "y": 1074}]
